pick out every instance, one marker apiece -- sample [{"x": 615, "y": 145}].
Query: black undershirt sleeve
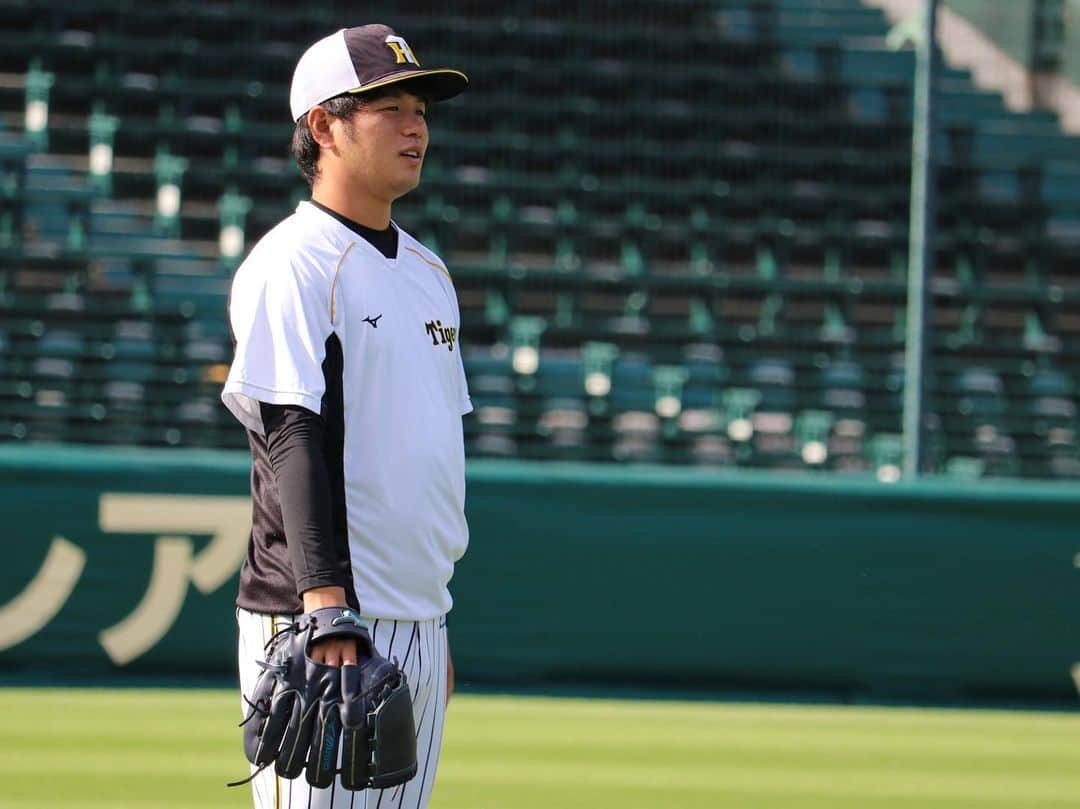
[{"x": 294, "y": 441}]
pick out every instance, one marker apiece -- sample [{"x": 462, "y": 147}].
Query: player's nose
[{"x": 414, "y": 126}]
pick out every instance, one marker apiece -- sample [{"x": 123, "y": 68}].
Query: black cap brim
[{"x": 438, "y": 84}]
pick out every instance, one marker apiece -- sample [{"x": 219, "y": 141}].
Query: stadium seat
[
  {"x": 562, "y": 415},
  {"x": 634, "y": 422},
  {"x": 491, "y": 429}
]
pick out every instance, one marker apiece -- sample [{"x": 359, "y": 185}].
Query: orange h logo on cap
[{"x": 402, "y": 52}]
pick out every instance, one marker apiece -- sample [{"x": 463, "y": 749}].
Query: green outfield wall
[{"x": 126, "y": 561}]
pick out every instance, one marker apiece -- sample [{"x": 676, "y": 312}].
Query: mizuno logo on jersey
[
  {"x": 374, "y": 321},
  {"x": 440, "y": 334}
]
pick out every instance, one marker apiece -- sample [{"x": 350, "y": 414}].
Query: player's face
[{"x": 385, "y": 143}]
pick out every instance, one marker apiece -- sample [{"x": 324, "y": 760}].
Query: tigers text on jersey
[{"x": 323, "y": 320}]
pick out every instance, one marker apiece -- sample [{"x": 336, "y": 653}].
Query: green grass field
[{"x": 175, "y": 749}]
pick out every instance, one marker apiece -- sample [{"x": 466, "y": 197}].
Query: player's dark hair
[{"x": 304, "y": 146}]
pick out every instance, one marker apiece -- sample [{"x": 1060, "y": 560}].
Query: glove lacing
[{"x": 261, "y": 708}]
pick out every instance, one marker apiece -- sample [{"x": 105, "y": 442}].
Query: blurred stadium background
[{"x": 679, "y": 231}]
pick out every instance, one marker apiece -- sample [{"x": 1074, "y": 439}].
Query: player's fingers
[
  {"x": 325, "y": 653},
  {"x": 335, "y": 652}
]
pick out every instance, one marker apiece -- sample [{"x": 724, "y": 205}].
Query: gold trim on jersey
[
  {"x": 434, "y": 264},
  {"x": 333, "y": 284}
]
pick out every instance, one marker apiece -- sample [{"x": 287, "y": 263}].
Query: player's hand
[{"x": 332, "y": 651}]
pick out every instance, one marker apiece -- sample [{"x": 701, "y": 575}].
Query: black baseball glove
[{"x": 301, "y": 711}]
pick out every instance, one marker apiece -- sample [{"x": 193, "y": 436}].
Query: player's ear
[{"x": 318, "y": 122}]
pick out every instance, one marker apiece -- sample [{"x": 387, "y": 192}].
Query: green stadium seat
[
  {"x": 886, "y": 456},
  {"x": 813, "y": 429},
  {"x": 701, "y": 437},
  {"x": 1050, "y": 399},
  {"x": 634, "y": 421},
  {"x": 980, "y": 396},
  {"x": 965, "y": 468},
  {"x": 491, "y": 429},
  {"x": 562, "y": 415},
  {"x": 842, "y": 390}
]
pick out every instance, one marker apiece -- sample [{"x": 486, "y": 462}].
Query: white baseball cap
[{"x": 355, "y": 60}]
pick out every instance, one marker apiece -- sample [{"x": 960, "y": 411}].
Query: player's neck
[{"x": 366, "y": 211}]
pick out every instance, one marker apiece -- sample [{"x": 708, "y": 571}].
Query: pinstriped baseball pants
[{"x": 420, "y": 649}]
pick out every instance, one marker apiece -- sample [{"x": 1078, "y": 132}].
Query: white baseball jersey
[{"x": 313, "y": 290}]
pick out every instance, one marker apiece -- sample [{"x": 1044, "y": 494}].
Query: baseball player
[{"x": 348, "y": 378}]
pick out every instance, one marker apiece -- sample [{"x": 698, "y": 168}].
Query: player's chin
[{"x": 407, "y": 181}]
